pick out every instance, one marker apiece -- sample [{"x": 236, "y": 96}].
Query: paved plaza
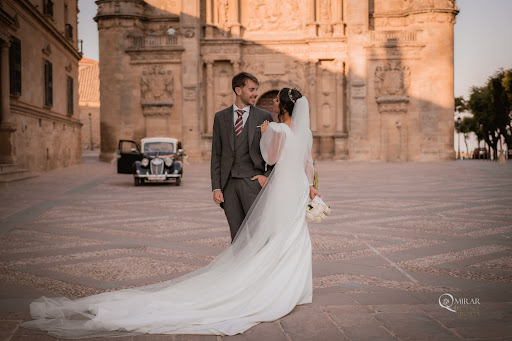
[{"x": 400, "y": 236}]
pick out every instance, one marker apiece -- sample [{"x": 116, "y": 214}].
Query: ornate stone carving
[
  {"x": 47, "y": 49},
  {"x": 395, "y": 53},
  {"x": 325, "y": 27},
  {"x": 189, "y": 32},
  {"x": 358, "y": 90},
  {"x": 223, "y": 11},
  {"x": 391, "y": 84},
  {"x": 156, "y": 87},
  {"x": 219, "y": 49},
  {"x": 266, "y": 16},
  {"x": 190, "y": 93},
  {"x": 392, "y": 79}
]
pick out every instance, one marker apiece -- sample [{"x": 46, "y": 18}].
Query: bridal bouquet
[{"x": 317, "y": 210}]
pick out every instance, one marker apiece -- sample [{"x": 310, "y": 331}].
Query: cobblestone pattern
[{"x": 400, "y": 235}]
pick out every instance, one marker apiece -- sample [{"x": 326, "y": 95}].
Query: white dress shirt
[{"x": 245, "y": 115}]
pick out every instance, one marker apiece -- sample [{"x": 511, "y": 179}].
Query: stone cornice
[
  {"x": 7, "y": 25},
  {"x": 18, "y": 107},
  {"x": 32, "y": 11},
  {"x": 413, "y": 12}
]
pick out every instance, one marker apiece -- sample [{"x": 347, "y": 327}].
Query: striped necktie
[{"x": 239, "y": 124}]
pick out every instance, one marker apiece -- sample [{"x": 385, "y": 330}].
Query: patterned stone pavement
[{"x": 400, "y": 236}]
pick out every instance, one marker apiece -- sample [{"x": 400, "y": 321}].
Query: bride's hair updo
[{"x": 287, "y": 99}]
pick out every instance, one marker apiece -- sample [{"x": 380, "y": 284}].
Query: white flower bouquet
[{"x": 317, "y": 210}]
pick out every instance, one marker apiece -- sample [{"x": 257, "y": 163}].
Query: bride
[{"x": 261, "y": 277}]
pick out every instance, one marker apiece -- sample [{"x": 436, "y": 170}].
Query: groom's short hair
[{"x": 240, "y": 80}]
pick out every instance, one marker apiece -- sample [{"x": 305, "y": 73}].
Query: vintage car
[{"x": 159, "y": 159}]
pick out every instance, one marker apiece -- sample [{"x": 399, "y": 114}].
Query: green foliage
[
  {"x": 460, "y": 104},
  {"x": 491, "y": 107}
]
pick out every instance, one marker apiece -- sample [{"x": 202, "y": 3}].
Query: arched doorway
[{"x": 266, "y": 102}]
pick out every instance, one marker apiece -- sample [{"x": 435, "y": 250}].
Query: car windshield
[{"x": 160, "y": 147}]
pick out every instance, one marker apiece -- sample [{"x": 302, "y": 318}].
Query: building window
[
  {"x": 15, "y": 66},
  {"x": 48, "y": 84},
  {"x": 70, "y": 95},
  {"x": 48, "y": 7},
  {"x": 69, "y": 31}
]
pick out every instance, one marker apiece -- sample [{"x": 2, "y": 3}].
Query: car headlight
[
  {"x": 145, "y": 162},
  {"x": 168, "y": 161}
]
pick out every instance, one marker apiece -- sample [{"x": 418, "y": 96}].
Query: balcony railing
[{"x": 152, "y": 41}]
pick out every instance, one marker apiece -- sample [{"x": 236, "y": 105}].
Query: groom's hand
[
  {"x": 217, "y": 196},
  {"x": 262, "y": 179}
]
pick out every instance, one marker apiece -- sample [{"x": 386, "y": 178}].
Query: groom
[{"x": 238, "y": 170}]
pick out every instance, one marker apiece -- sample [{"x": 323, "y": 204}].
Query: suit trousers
[{"x": 239, "y": 195}]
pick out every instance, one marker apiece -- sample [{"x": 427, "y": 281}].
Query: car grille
[{"x": 157, "y": 166}]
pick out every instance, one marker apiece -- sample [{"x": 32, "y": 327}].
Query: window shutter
[
  {"x": 70, "y": 95},
  {"x": 48, "y": 84}
]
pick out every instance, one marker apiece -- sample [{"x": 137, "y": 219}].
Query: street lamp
[
  {"x": 90, "y": 130},
  {"x": 458, "y": 132}
]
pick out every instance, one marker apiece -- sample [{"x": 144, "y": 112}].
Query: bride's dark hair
[{"x": 287, "y": 99}]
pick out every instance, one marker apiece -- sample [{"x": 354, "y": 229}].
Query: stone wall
[{"x": 45, "y": 136}]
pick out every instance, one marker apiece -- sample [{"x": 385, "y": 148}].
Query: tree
[
  {"x": 507, "y": 86},
  {"x": 466, "y": 126},
  {"x": 491, "y": 107}
]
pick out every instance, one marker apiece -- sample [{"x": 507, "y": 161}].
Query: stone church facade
[{"x": 378, "y": 74}]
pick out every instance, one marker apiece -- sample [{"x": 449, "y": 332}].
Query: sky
[{"x": 482, "y": 39}]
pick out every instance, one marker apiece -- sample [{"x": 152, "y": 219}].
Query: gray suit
[{"x": 235, "y": 160}]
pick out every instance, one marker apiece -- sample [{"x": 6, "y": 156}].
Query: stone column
[
  {"x": 360, "y": 143},
  {"x": 209, "y": 97},
  {"x": 340, "y": 98},
  {"x": 235, "y": 22},
  {"x": 191, "y": 110},
  {"x": 311, "y": 20},
  {"x": 209, "y": 20},
  {"x": 7, "y": 128},
  {"x": 313, "y": 93},
  {"x": 5, "y": 96}
]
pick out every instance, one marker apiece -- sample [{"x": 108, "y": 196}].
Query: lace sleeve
[
  {"x": 309, "y": 168},
  {"x": 272, "y": 142}
]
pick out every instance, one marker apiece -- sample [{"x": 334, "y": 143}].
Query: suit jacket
[{"x": 223, "y": 144}]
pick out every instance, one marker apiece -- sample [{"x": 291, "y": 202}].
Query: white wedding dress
[{"x": 261, "y": 277}]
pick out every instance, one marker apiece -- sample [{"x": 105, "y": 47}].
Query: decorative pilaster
[
  {"x": 236, "y": 66},
  {"x": 313, "y": 91},
  {"x": 209, "y": 97}
]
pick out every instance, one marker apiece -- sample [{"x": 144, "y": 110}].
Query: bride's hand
[
  {"x": 264, "y": 126},
  {"x": 313, "y": 192}
]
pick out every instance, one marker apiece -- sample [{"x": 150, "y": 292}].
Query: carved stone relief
[
  {"x": 325, "y": 27},
  {"x": 266, "y": 16},
  {"x": 190, "y": 93},
  {"x": 156, "y": 85},
  {"x": 392, "y": 79},
  {"x": 391, "y": 84}
]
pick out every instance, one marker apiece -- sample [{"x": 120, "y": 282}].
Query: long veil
[{"x": 260, "y": 277}]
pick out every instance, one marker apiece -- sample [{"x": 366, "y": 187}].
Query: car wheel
[{"x": 178, "y": 181}]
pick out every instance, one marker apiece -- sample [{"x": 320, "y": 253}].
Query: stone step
[
  {"x": 7, "y": 167},
  {"x": 11, "y": 173}
]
